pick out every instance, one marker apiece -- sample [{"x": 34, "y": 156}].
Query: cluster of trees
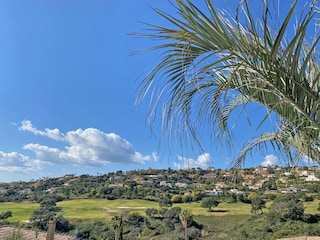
[
  {"x": 286, "y": 218},
  {"x": 121, "y": 185},
  {"x": 172, "y": 222},
  {"x": 286, "y": 211},
  {"x": 47, "y": 211}
]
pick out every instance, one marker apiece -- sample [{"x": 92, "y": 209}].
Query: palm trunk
[{"x": 186, "y": 232}]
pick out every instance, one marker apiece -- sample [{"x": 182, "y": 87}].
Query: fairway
[
  {"x": 21, "y": 212},
  {"x": 221, "y": 210},
  {"x": 102, "y": 209},
  {"x": 106, "y": 209}
]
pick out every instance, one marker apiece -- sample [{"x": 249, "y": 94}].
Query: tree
[
  {"x": 165, "y": 201},
  {"x": 176, "y": 198},
  {"x": 63, "y": 225},
  {"x": 186, "y": 198},
  {"x": 171, "y": 217},
  {"x": 152, "y": 212},
  {"x": 209, "y": 202},
  {"x": 117, "y": 224},
  {"x": 5, "y": 215},
  {"x": 288, "y": 206},
  {"x": 40, "y": 218},
  {"x": 48, "y": 203},
  {"x": 214, "y": 63},
  {"x": 186, "y": 220},
  {"x": 257, "y": 204},
  {"x": 252, "y": 195}
]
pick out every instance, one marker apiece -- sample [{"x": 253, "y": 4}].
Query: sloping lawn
[
  {"x": 21, "y": 212},
  {"x": 102, "y": 209}
]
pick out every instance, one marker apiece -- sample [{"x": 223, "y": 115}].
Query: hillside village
[
  {"x": 152, "y": 183},
  {"x": 284, "y": 188}
]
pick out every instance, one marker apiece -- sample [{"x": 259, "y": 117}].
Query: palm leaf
[{"x": 212, "y": 64}]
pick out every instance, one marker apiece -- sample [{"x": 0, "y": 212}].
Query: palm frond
[{"x": 213, "y": 63}]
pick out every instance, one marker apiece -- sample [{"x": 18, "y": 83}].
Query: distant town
[{"x": 150, "y": 184}]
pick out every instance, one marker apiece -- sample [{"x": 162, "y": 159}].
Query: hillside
[{"x": 82, "y": 201}]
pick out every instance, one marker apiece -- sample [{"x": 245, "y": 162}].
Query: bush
[
  {"x": 194, "y": 233},
  {"x": 186, "y": 198},
  {"x": 63, "y": 224},
  {"x": 308, "y": 199},
  {"x": 283, "y": 233},
  {"x": 165, "y": 202},
  {"x": 176, "y": 199},
  {"x": 209, "y": 202},
  {"x": 288, "y": 206},
  {"x": 5, "y": 215}
]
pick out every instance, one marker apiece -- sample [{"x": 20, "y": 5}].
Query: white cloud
[
  {"x": 54, "y": 134},
  {"x": 16, "y": 162},
  {"x": 88, "y": 147},
  {"x": 270, "y": 160},
  {"x": 306, "y": 159},
  {"x": 203, "y": 161}
]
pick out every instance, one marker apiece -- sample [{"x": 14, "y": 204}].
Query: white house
[
  {"x": 164, "y": 183},
  {"x": 312, "y": 178},
  {"x": 181, "y": 185}
]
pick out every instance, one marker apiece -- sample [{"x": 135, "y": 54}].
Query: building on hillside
[
  {"x": 165, "y": 184},
  {"x": 146, "y": 183},
  {"x": 3, "y": 190},
  {"x": 312, "y": 178},
  {"x": 234, "y": 191},
  {"x": 181, "y": 185},
  {"x": 208, "y": 176},
  {"x": 214, "y": 192},
  {"x": 198, "y": 185},
  {"x": 258, "y": 185},
  {"x": 248, "y": 177},
  {"x": 268, "y": 175},
  {"x": 303, "y": 173},
  {"x": 222, "y": 185},
  {"x": 115, "y": 185},
  {"x": 290, "y": 190},
  {"x": 154, "y": 176},
  {"x": 192, "y": 177}
]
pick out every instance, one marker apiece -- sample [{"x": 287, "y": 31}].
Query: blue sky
[{"x": 67, "y": 92}]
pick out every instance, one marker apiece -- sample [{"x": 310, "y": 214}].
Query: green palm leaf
[{"x": 212, "y": 64}]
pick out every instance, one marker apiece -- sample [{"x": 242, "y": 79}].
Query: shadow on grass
[
  {"x": 220, "y": 211},
  {"x": 217, "y": 211}
]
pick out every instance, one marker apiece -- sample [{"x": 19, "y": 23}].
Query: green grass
[
  {"x": 220, "y": 225},
  {"x": 312, "y": 207},
  {"x": 221, "y": 210},
  {"x": 102, "y": 209},
  {"x": 21, "y": 212},
  {"x": 105, "y": 209}
]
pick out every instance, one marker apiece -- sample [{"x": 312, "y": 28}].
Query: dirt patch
[{"x": 6, "y": 231}]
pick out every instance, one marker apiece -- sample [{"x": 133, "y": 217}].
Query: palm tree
[
  {"x": 186, "y": 219},
  {"x": 214, "y": 64},
  {"x": 117, "y": 227}
]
